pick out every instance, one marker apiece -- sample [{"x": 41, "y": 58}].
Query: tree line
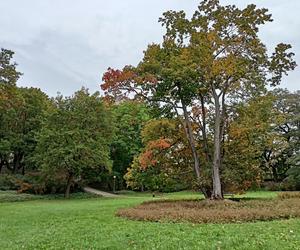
[{"x": 49, "y": 144}]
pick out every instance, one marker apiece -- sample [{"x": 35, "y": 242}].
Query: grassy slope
[{"x": 91, "y": 224}]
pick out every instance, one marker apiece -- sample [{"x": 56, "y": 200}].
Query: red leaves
[
  {"x": 115, "y": 78},
  {"x": 147, "y": 158},
  {"x": 150, "y": 79},
  {"x": 122, "y": 84},
  {"x": 159, "y": 144}
]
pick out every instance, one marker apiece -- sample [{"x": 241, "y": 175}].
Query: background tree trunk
[{"x": 68, "y": 187}]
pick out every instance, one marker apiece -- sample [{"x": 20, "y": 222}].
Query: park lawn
[{"x": 92, "y": 224}]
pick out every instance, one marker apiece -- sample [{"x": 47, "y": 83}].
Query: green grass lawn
[{"x": 91, "y": 224}]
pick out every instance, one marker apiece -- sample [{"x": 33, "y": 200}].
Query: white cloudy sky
[{"x": 62, "y": 45}]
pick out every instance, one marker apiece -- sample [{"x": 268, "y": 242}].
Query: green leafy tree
[
  {"x": 288, "y": 107},
  {"x": 76, "y": 138},
  {"x": 283, "y": 161},
  {"x": 8, "y": 78},
  {"x": 21, "y": 114},
  {"x": 19, "y": 124},
  {"x": 293, "y": 173},
  {"x": 8, "y": 73},
  {"x": 130, "y": 117}
]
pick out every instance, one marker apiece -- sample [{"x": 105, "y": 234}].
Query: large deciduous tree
[
  {"x": 281, "y": 157},
  {"x": 8, "y": 78},
  {"x": 21, "y": 114},
  {"x": 20, "y": 123},
  {"x": 213, "y": 58}
]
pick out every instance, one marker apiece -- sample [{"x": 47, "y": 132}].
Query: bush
[
  {"x": 292, "y": 181},
  {"x": 272, "y": 186},
  {"x": 8, "y": 182},
  {"x": 21, "y": 183},
  {"x": 34, "y": 183},
  {"x": 37, "y": 183}
]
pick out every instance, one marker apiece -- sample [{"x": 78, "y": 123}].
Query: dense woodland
[{"x": 203, "y": 110}]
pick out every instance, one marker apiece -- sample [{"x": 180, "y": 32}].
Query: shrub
[
  {"x": 293, "y": 178},
  {"x": 37, "y": 183},
  {"x": 34, "y": 183},
  {"x": 272, "y": 186},
  {"x": 8, "y": 182}
]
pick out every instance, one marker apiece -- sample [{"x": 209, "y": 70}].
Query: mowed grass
[{"x": 92, "y": 224}]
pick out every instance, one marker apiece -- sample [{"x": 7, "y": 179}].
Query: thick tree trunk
[
  {"x": 217, "y": 189},
  {"x": 68, "y": 187}
]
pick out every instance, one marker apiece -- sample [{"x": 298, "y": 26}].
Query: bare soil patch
[{"x": 208, "y": 211}]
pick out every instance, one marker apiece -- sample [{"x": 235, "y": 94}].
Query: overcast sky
[{"x": 62, "y": 45}]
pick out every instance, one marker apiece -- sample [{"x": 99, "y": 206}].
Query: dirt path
[{"x": 98, "y": 192}]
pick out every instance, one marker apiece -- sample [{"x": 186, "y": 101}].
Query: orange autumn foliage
[
  {"x": 125, "y": 83},
  {"x": 147, "y": 158},
  {"x": 114, "y": 79}
]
